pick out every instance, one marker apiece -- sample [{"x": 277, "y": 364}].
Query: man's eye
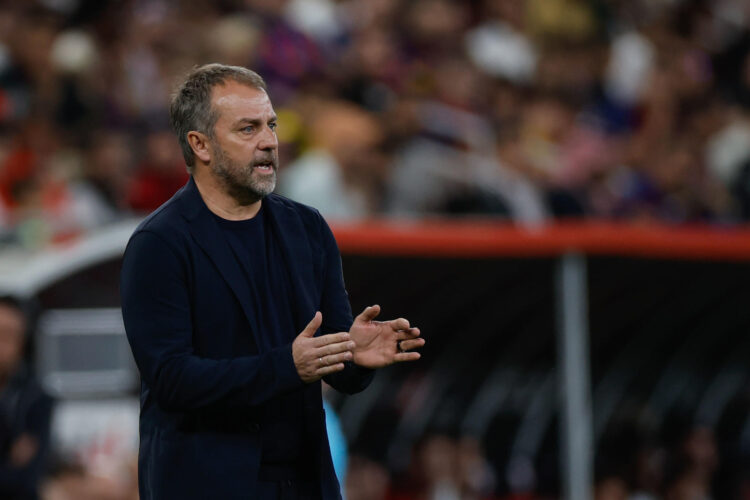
[
  {"x": 273, "y": 125},
  {"x": 247, "y": 129}
]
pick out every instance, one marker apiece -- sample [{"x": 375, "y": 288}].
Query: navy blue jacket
[{"x": 204, "y": 362}]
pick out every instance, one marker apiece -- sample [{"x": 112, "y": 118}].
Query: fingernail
[{"x": 351, "y": 345}]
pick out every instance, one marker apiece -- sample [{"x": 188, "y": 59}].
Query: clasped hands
[{"x": 369, "y": 343}]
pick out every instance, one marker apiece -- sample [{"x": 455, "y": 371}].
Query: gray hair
[{"x": 191, "y": 109}]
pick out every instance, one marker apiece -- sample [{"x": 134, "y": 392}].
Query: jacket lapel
[
  {"x": 208, "y": 236},
  {"x": 296, "y": 251}
]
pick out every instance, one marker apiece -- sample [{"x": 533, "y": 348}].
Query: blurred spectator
[
  {"x": 499, "y": 45},
  {"x": 318, "y": 19},
  {"x": 159, "y": 175},
  {"x": 477, "y": 478},
  {"x": 435, "y": 472},
  {"x": 234, "y": 39},
  {"x": 285, "y": 56},
  {"x": 106, "y": 169},
  {"x": 693, "y": 463},
  {"x": 433, "y": 28},
  {"x": 343, "y": 171},
  {"x": 446, "y": 468},
  {"x": 451, "y": 167},
  {"x": 503, "y": 108},
  {"x": 366, "y": 480},
  {"x": 611, "y": 488},
  {"x": 74, "y": 482},
  {"x": 25, "y": 411}
]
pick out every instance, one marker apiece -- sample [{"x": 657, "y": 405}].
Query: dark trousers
[{"x": 288, "y": 489}]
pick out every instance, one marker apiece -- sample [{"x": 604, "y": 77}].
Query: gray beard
[{"x": 238, "y": 180}]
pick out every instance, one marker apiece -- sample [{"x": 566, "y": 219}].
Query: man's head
[
  {"x": 12, "y": 334},
  {"x": 226, "y": 124}
]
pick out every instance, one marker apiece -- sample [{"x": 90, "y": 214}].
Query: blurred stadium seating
[{"x": 667, "y": 357}]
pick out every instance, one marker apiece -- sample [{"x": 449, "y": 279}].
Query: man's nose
[{"x": 268, "y": 139}]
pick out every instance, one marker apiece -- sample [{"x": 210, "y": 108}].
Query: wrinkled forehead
[{"x": 233, "y": 101}]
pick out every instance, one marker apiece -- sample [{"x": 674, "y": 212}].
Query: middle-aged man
[{"x": 235, "y": 308}]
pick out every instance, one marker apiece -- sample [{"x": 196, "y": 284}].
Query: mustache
[{"x": 270, "y": 158}]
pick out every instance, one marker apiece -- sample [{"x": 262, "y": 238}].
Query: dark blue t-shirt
[{"x": 259, "y": 255}]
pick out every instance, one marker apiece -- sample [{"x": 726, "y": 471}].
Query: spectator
[
  {"x": 25, "y": 411},
  {"x": 366, "y": 480},
  {"x": 159, "y": 175},
  {"x": 342, "y": 173}
]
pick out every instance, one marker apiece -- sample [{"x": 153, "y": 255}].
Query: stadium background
[{"x": 505, "y": 160}]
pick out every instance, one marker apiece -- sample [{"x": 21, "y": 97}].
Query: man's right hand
[{"x": 316, "y": 357}]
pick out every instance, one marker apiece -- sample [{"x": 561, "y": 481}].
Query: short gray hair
[{"x": 191, "y": 109}]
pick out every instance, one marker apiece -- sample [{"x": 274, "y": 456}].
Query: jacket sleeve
[
  {"x": 337, "y": 316},
  {"x": 157, "y": 316},
  {"x": 22, "y": 481}
]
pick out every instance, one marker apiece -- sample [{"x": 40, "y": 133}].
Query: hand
[
  {"x": 381, "y": 343},
  {"x": 316, "y": 357}
]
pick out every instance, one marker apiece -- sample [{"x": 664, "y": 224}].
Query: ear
[{"x": 200, "y": 144}]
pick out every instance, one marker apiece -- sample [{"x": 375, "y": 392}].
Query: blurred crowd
[
  {"x": 525, "y": 110},
  {"x": 681, "y": 463}
]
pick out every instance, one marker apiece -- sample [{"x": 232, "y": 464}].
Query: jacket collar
[
  {"x": 193, "y": 205},
  {"x": 286, "y": 226},
  {"x": 295, "y": 243},
  {"x": 209, "y": 237}
]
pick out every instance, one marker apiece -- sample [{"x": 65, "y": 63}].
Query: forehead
[{"x": 234, "y": 101}]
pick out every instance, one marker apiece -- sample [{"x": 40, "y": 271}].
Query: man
[
  {"x": 235, "y": 308},
  {"x": 25, "y": 411}
]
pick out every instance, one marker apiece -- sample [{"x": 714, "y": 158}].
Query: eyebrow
[{"x": 254, "y": 121}]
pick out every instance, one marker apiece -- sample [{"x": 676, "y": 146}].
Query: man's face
[
  {"x": 12, "y": 326},
  {"x": 244, "y": 146}
]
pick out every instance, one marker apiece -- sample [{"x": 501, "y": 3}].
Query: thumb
[
  {"x": 370, "y": 313},
  {"x": 313, "y": 325}
]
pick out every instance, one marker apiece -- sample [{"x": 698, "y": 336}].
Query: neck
[{"x": 219, "y": 201}]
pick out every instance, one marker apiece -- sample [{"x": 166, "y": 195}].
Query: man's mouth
[{"x": 264, "y": 167}]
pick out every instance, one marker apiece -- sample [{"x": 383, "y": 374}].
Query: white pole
[{"x": 576, "y": 453}]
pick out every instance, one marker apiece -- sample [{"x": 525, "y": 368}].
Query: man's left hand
[{"x": 381, "y": 343}]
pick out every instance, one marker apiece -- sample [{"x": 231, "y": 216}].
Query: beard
[{"x": 243, "y": 182}]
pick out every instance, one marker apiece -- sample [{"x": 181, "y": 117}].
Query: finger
[
  {"x": 313, "y": 325},
  {"x": 411, "y": 333},
  {"x": 335, "y": 359},
  {"x": 411, "y": 344},
  {"x": 369, "y": 314},
  {"x": 406, "y": 356},
  {"x": 334, "y": 349},
  {"x": 331, "y": 338},
  {"x": 399, "y": 324},
  {"x": 322, "y": 372}
]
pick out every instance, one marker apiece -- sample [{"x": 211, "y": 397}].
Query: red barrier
[{"x": 493, "y": 239}]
